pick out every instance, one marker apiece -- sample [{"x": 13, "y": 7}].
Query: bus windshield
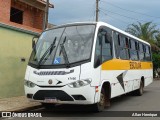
[{"x": 63, "y": 45}]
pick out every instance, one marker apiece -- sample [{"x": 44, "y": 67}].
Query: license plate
[{"x": 50, "y": 100}]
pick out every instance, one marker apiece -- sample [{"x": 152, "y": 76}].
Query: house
[{"x": 20, "y": 21}]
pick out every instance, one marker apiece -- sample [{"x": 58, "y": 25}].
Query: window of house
[{"x": 16, "y": 15}]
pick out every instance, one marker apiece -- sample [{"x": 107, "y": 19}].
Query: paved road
[{"x": 150, "y": 101}]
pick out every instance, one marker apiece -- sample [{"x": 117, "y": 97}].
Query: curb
[{"x": 24, "y": 108}]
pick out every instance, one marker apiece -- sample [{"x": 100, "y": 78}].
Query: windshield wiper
[
  {"x": 63, "y": 51},
  {"x": 50, "y": 49}
]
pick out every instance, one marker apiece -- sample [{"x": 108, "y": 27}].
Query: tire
[
  {"x": 140, "y": 91},
  {"x": 48, "y": 106},
  {"x": 100, "y": 106}
]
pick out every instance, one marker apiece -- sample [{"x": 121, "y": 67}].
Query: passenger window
[
  {"x": 137, "y": 49},
  {"x": 133, "y": 50},
  {"x": 141, "y": 52},
  {"x": 121, "y": 46},
  {"x": 147, "y": 54},
  {"x": 127, "y": 48},
  {"x": 116, "y": 38},
  {"x": 123, "y": 50}
]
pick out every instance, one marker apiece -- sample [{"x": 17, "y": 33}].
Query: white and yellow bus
[{"x": 87, "y": 64}]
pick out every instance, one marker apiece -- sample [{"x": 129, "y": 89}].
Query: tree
[
  {"x": 146, "y": 31},
  {"x": 156, "y": 62},
  {"x": 158, "y": 39}
]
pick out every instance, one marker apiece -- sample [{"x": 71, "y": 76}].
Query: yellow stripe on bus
[{"x": 118, "y": 64}]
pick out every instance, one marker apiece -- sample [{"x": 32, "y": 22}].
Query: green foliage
[
  {"x": 146, "y": 31},
  {"x": 158, "y": 39},
  {"x": 156, "y": 61}
]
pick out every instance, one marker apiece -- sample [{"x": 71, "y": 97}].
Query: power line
[
  {"x": 123, "y": 15},
  {"x": 92, "y": 18},
  {"x": 115, "y": 18},
  {"x": 130, "y": 10}
]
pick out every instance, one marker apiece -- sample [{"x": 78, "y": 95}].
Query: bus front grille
[{"x": 58, "y": 94}]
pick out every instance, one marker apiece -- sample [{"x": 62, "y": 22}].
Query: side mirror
[
  {"x": 34, "y": 40},
  {"x": 104, "y": 34}
]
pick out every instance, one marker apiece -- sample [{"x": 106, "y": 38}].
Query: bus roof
[{"x": 101, "y": 24}]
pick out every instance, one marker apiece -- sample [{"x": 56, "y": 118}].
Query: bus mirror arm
[
  {"x": 34, "y": 39},
  {"x": 33, "y": 44}
]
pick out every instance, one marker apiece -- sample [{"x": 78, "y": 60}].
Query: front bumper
[{"x": 63, "y": 95}]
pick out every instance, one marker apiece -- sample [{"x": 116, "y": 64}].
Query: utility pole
[
  {"x": 45, "y": 24},
  {"x": 97, "y": 10}
]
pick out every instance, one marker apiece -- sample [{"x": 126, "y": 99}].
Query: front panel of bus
[{"x": 61, "y": 66}]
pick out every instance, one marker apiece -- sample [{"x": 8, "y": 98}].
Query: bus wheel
[
  {"x": 48, "y": 106},
  {"x": 98, "y": 107},
  {"x": 140, "y": 91}
]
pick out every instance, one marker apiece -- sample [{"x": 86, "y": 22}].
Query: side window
[
  {"x": 121, "y": 46},
  {"x": 141, "y": 52},
  {"x": 147, "y": 54},
  {"x": 144, "y": 51},
  {"x": 107, "y": 45},
  {"x": 133, "y": 50},
  {"x": 116, "y": 38},
  {"x": 103, "y": 50},
  {"x": 124, "y": 52},
  {"x": 127, "y": 48},
  {"x": 137, "y": 49}
]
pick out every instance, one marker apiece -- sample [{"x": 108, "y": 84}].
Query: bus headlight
[
  {"x": 80, "y": 83},
  {"x": 29, "y": 84}
]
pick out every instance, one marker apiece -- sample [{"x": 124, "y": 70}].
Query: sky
[{"x": 119, "y": 13}]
